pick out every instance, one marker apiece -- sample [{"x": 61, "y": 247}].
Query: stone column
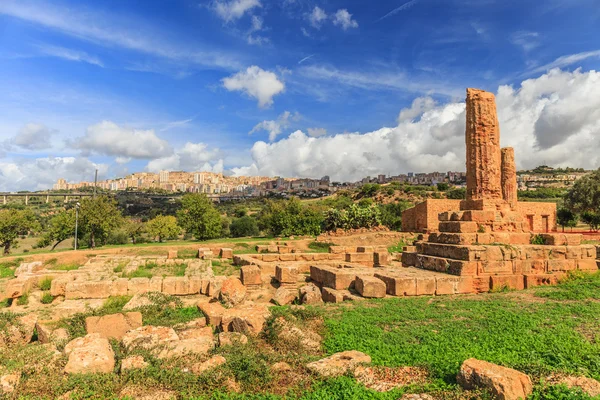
[
  {"x": 483, "y": 150},
  {"x": 509, "y": 177}
]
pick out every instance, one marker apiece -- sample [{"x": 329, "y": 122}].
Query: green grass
[
  {"x": 397, "y": 248},
  {"x": 23, "y": 300},
  {"x": 66, "y": 267},
  {"x": 439, "y": 333},
  {"x": 167, "y": 311},
  {"x": 224, "y": 267},
  {"x": 7, "y": 268},
  {"x": 45, "y": 284},
  {"x": 46, "y": 298},
  {"x": 319, "y": 247},
  {"x": 578, "y": 287}
]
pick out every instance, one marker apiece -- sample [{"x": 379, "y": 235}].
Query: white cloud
[
  {"x": 191, "y": 157},
  {"x": 344, "y": 19},
  {"x": 113, "y": 30},
  {"x": 33, "y": 137},
  {"x": 234, "y": 9},
  {"x": 257, "y": 26},
  {"x": 42, "y": 173},
  {"x": 71, "y": 55},
  {"x": 526, "y": 40},
  {"x": 565, "y": 61},
  {"x": 317, "y": 132},
  {"x": 317, "y": 17},
  {"x": 418, "y": 107},
  {"x": 274, "y": 127},
  {"x": 403, "y": 7},
  {"x": 256, "y": 82},
  {"x": 553, "y": 119},
  {"x": 111, "y": 139}
]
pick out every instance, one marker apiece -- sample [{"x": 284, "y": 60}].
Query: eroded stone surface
[
  {"x": 504, "y": 383},
  {"x": 339, "y": 363},
  {"x": 89, "y": 354}
]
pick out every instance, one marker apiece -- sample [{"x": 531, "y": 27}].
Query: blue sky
[{"x": 287, "y": 87}]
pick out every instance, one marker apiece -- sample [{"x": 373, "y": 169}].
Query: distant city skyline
[{"x": 295, "y": 88}]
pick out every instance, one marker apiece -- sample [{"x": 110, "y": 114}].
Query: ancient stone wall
[
  {"x": 540, "y": 216},
  {"x": 483, "y": 148},
  {"x": 424, "y": 216}
]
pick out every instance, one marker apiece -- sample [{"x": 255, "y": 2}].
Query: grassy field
[{"x": 541, "y": 331}]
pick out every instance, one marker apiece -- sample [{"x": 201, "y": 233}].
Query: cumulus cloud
[
  {"x": 317, "y": 17},
  {"x": 191, "y": 157},
  {"x": 256, "y": 82},
  {"x": 33, "y": 137},
  {"x": 234, "y": 9},
  {"x": 42, "y": 173},
  {"x": 344, "y": 19},
  {"x": 317, "y": 132},
  {"x": 552, "y": 120},
  {"x": 111, "y": 139},
  {"x": 274, "y": 127}
]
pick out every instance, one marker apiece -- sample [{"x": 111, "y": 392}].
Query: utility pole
[{"x": 95, "y": 183}]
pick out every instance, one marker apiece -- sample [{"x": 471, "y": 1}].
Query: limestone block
[
  {"x": 305, "y": 257},
  {"x": 172, "y": 254},
  {"x": 459, "y": 227},
  {"x": 232, "y": 338},
  {"x": 283, "y": 250},
  {"x": 226, "y": 253},
  {"x": 562, "y": 239},
  {"x": 425, "y": 286},
  {"x": 515, "y": 282},
  {"x": 562, "y": 265},
  {"x": 155, "y": 284},
  {"x": 321, "y": 256},
  {"x": 58, "y": 285},
  {"x": 503, "y": 383},
  {"x": 119, "y": 287},
  {"x": 245, "y": 319},
  {"x": 310, "y": 294},
  {"x": 365, "y": 249},
  {"x": 399, "y": 286},
  {"x": 287, "y": 257},
  {"x": 409, "y": 259},
  {"x": 272, "y": 248},
  {"x": 332, "y": 295},
  {"x": 133, "y": 362},
  {"x": 316, "y": 273},
  {"x": 337, "y": 249},
  {"x": 113, "y": 326},
  {"x": 232, "y": 292},
  {"x": 88, "y": 290},
  {"x": 138, "y": 286},
  {"x": 250, "y": 275},
  {"x": 149, "y": 337},
  {"x": 370, "y": 286},
  {"x": 18, "y": 287},
  {"x": 214, "y": 286},
  {"x": 270, "y": 257},
  {"x": 284, "y": 296},
  {"x": 261, "y": 248},
  {"x": 446, "y": 285},
  {"x": 381, "y": 258},
  {"x": 195, "y": 284},
  {"x": 286, "y": 273},
  {"x": 338, "y": 278},
  {"x": 89, "y": 354},
  {"x": 359, "y": 257},
  {"x": 213, "y": 312},
  {"x": 338, "y": 364},
  {"x": 533, "y": 280},
  {"x": 587, "y": 265},
  {"x": 176, "y": 285}
]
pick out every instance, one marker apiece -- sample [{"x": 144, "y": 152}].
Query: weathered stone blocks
[
  {"x": 286, "y": 274},
  {"x": 370, "y": 286}
]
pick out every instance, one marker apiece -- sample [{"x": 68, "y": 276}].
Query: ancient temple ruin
[{"x": 488, "y": 237}]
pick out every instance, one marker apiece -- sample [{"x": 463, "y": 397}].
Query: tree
[
  {"x": 13, "y": 223},
  {"x": 442, "y": 186},
  {"x": 60, "y": 228},
  {"x": 134, "y": 229},
  {"x": 199, "y": 216},
  {"x": 98, "y": 216},
  {"x": 566, "y": 218},
  {"x": 163, "y": 227},
  {"x": 391, "y": 214},
  {"x": 585, "y": 194},
  {"x": 244, "y": 226},
  {"x": 290, "y": 217},
  {"x": 456, "y": 194},
  {"x": 592, "y": 219}
]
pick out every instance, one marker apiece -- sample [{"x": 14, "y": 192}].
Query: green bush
[
  {"x": 352, "y": 218},
  {"x": 45, "y": 284},
  {"x": 537, "y": 239},
  {"x": 244, "y": 226},
  {"x": 46, "y": 298}
]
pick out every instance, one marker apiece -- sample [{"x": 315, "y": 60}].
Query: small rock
[
  {"x": 588, "y": 385},
  {"x": 503, "y": 383},
  {"x": 89, "y": 354},
  {"x": 29, "y": 268},
  {"x": 284, "y": 296},
  {"x": 8, "y": 383},
  {"x": 133, "y": 362},
  {"x": 339, "y": 363},
  {"x": 232, "y": 292},
  {"x": 195, "y": 333},
  {"x": 194, "y": 324},
  {"x": 148, "y": 337},
  {"x": 231, "y": 338},
  {"x": 422, "y": 396},
  {"x": 310, "y": 294},
  {"x": 137, "y": 301},
  {"x": 281, "y": 367},
  {"x": 209, "y": 364},
  {"x": 199, "y": 345},
  {"x": 113, "y": 326}
]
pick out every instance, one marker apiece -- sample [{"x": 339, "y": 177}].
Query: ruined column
[
  {"x": 483, "y": 150},
  {"x": 509, "y": 177}
]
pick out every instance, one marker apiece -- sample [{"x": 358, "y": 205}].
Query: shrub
[
  {"x": 537, "y": 239},
  {"x": 23, "y": 300},
  {"x": 45, "y": 284},
  {"x": 352, "y": 218},
  {"x": 244, "y": 226},
  {"x": 46, "y": 298}
]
